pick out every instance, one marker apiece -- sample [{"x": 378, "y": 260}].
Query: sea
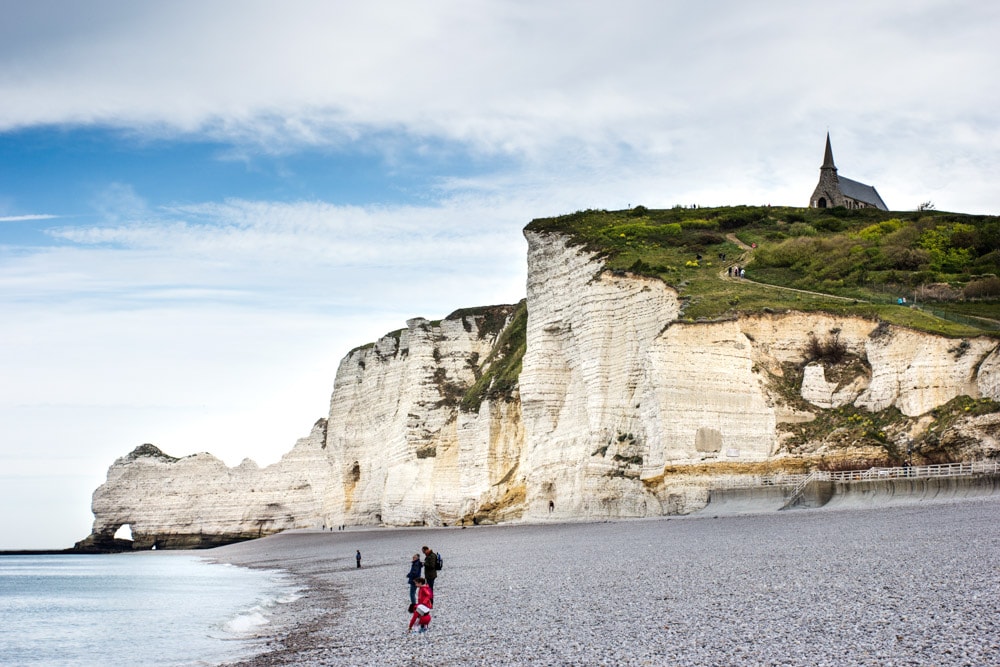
[{"x": 149, "y": 608}]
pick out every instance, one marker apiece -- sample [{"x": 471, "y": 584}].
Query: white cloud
[
  {"x": 27, "y": 218},
  {"x": 657, "y": 97},
  {"x": 507, "y": 76}
]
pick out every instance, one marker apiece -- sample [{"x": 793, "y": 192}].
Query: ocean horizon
[{"x": 153, "y": 608}]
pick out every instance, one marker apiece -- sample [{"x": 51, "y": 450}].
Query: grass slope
[{"x": 856, "y": 262}]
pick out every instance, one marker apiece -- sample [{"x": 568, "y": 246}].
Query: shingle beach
[{"x": 907, "y": 585}]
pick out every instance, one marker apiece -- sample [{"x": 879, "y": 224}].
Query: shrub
[
  {"x": 985, "y": 288},
  {"x": 699, "y": 223},
  {"x": 829, "y": 351},
  {"x": 737, "y": 219},
  {"x": 801, "y": 229},
  {"x": 671, "y": 229},
  {"x": 937, "y": 292},
  {"x": 707, "y": 239},
  {"x": 828, "y": 223},
  {"x": 907, "y": 259}
]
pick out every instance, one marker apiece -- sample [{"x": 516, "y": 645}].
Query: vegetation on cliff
[
  {"x": 860, "y": 262},
  {"x": 498, "y": 374}
]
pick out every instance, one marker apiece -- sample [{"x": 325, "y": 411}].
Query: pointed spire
[{"x": 828, "y": 156}]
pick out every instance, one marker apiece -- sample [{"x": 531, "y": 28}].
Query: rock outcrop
[{"x": 600, "y": 401}]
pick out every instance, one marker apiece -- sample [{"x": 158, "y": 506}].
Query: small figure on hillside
[
  {"x": 357, "y": 557},
  {"x": 743, "y": 273},
  {"x": 412, "y": 576},
  {"x": 552, "y": 506},
  {"x": 430, "y": 566}
]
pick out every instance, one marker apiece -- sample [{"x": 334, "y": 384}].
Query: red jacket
[{"x": 425, "y": 596}]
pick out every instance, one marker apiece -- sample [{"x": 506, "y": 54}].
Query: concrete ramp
[
  {"x": 847, "y": 494},
  {"x": 899, "y": 491},
  {"x": 754, "y": 500}
]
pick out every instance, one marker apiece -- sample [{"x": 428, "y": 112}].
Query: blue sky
[{"x": 204, "y": 206}]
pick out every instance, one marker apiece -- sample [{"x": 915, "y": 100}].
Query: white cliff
[
  {"x": 614, "y": 389},
  {"x": 401, "y": 452},
  {"x": 620, "y": 409},
  {"x": 197, "y": 501}
]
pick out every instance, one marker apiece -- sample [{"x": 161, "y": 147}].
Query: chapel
[{"x": 833, "y": 190}]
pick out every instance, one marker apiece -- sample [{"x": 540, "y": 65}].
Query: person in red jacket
[{"x": 422, "y": 609}]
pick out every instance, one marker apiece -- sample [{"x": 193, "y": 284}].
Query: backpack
[{"x": 439, "y": 560}]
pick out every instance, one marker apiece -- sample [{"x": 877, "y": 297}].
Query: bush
[
  {"x": 737, "y": 219},
  {"x": 828, "y": 223},
  {"x": 700, "y": 223},
  {"x": 937, "y": 292},
  {"x": 801, "y": 229},
  {"x": 829, "y": 351},
  {"x": 707, "y": 239},
  {"x": 907, "y": 259},
  {"x": 985, "y": 288}
]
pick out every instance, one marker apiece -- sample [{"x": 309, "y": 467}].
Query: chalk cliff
[{"x": 600, "y": 401}]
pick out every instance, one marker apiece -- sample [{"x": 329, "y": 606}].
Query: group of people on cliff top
[{"x": 422, "y": 588}]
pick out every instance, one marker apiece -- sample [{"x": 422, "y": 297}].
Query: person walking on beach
[
  {"x": 422, "y": 609},
  {"x": 412, "y": 577},
  {"x": 430, "y": 566},
  {"x": 358, "y": 557}
]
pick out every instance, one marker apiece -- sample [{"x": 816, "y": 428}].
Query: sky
[{"x": 205, "y": 205}]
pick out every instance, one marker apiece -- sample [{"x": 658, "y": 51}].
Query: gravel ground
[{"x": 914, "y": 585}]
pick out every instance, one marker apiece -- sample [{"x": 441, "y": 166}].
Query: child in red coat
[{"x": 422, "y": 609}]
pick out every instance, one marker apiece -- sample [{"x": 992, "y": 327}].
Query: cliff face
[
  {"x": 399, "y": 451},
  {"x": 402, "y": 451},
  {"x": 620, "y": 410},
  {"x": 197, "y": 501}
]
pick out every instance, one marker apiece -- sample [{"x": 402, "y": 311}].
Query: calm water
[{"x": 153, "y": 608}]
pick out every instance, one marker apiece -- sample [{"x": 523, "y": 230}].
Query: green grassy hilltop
[{"x": 859, "y": 262}]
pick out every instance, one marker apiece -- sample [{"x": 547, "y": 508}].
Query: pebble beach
[{"x": 904, "y": 585}]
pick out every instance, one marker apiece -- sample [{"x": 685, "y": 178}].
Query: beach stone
[{"x": 893, "y": 586}]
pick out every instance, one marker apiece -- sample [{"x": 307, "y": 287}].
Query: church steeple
[{"x": 828, "y": 156}]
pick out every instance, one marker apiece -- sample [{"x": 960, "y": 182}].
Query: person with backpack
[{"x": 431, "y": 566}]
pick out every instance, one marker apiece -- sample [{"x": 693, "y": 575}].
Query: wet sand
[{"x": 910, "y": 585}]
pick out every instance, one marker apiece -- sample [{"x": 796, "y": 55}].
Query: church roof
[{"x": 861, "y": 192}]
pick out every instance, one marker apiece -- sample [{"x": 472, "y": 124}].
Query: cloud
[
  {"x": 703, "y": 99},
  {"x": 508, "y": 77},
  {"x": 27, "y": 218}
]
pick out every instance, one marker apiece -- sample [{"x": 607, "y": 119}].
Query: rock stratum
[{"x": 592, "y": 398}]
